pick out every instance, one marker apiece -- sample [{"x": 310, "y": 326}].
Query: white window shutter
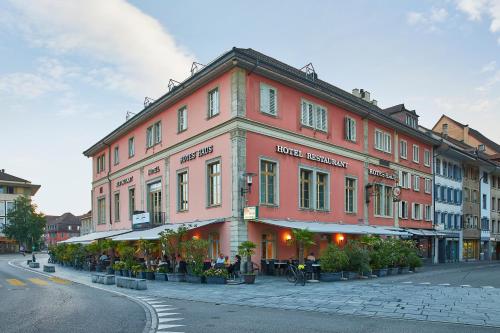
[
  {"x": 264, "y": 99},
  {"x": 400, "y": 204},
  {"x": 272, "y": 101},
  {"x": 413, "y": 211},
  {"x": 346, "y": 128},
  {"x": 401, "y": 182},
  {"x": 304, "y": 113},
  {"x": 323, "y": 119},
  {"x": 353, "y": 129},
  {"x": 310, "y": 111}
]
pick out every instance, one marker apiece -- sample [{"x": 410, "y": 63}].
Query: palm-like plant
[
  {"x": 110, "y": 246},
  {"x": 172, "y": 243},
  {"x": 302, "y": 238},
  {"x": 247, "y": 249},
  {"x": 147, "y": 247}
]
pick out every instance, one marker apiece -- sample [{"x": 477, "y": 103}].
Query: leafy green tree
[
  {"x": 196, "y": 252},
  {"x": 172, "y": 243},
  {"x": 25, "y": 225},
  {"x": 303, "y": 238},
  {"x": 247, "y": 249}
]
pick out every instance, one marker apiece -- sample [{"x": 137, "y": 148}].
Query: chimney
[
  {"x": 356, "y": 93},
  {"x": 2, "y": 170},
  {"x": 366, "y": 95},
  {"x": 374, "y": 102}
]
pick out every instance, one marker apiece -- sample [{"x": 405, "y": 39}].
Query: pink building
[{"x": 249, "y": 131}]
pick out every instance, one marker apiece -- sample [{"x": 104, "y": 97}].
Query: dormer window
[{"x": 411, "y": 121}]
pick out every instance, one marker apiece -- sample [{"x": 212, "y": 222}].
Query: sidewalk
[{"x": 473, "y": 306}]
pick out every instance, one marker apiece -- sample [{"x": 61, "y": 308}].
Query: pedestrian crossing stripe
[
  {"x": 58, "y": 280},
  {"x": 16, "y": 282},
  {"x": 38, "y": 281}
]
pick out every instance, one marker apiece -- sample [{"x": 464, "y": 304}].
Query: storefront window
[
  {"x": 268, "y": 246},
  {"x": 470, "y": 249},
  {"x": 267, "y": 182},
  {"x": 213, "y": 250},
  {"x": 154, "y": 202}
]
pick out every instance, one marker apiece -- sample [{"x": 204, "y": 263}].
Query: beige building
[
  {"x": 495, "y": 215},
  {"x": 87, "y": 226},
  {"x": 11, "y": 187}
]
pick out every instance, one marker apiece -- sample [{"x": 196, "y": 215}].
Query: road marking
[
  {"x": 407, "y": 282},
  {"x": 59, "y": 280},
  {"x": 165, "y": 326},
  {"x": 167, "y": 314},
  {"x": 425, "y": 283},
  {"x": 487, "y": 287},
  {"x": 444, "y": 284},
  {"x": 159, "y": 306},
  {"x": 166, "y": 320},
  {"x": 39, "y": 282},
  {"x": 465, "y": 285},
  {"x": 16, "y": 282}
]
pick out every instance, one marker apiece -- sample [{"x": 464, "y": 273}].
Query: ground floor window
[
  {"x": 213, "y": 250},
  {"x": 471, "y": 249},
  {"x": 268, "y": 246},
  {"x": 154, "y": 202}
]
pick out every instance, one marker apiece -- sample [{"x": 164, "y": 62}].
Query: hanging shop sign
[
  {"x": 250, "y": 213},
  {"x": 310, "y": 156},
  {"x": 140, "y": 218},
  {"x": 381, "y": 174},
  {"x": 154, "y": 170},
  {"x": 199, "y": 153},
  {"x": 124, "y": 181}
]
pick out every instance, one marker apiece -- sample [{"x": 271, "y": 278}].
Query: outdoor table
[{"x": 314, "y": 278}]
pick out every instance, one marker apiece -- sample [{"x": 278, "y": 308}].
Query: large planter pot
[
  {"x": 146, "y": 275},
  {"x": 392, "y": 271},
  {"x": 161, "y": 277},
  {"x": 118, "y": 272},
  {"x": 367, "y": 274},
  {"x": 193, "y": 278},
  {"x": 330, "y": 276},
  {"x": 381, "y": 272},
  {"x": 352, "y": 275},
  {"x": 249, "y": 278},
  {"x": 216, "y": 280},
  {"x": 110, "y": 270},
  {"x": 125, "y": 272},
  {"x": 176, "y": 277},
  {"x": 416, "y": 269},
  {"x": 403, "y": 270}
]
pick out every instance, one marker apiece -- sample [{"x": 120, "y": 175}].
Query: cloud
[
  {"x": 134, "y": 52},
  {"x": 477, "y": 9},
  {"x": 489, "y": 67},
  {"x": 428, "y": 20}
]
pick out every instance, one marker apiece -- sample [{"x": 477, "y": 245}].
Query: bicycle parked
[{"x": 295, "y": 274}]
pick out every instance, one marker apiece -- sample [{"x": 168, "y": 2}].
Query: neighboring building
[
  {"x": 11, "y": 187},
  {"x": 87, "y": 226},
  {"x": 62, "y": 227},
  {"x": 248, "y": 130},
  {"x": 495, "y": 214},
  {"x": 485, "y": 198}
]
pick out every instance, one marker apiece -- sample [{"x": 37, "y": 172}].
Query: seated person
[
  {"x": 236, "y": 267},
  {"x": 311, "y": 257},
  {"x": 226, "y": 261}
]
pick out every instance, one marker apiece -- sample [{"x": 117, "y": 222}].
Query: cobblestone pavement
[{"x": 463, "y": 305}]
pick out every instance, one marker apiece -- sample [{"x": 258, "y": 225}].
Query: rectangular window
[
  {"x": 427, "y": 157},
  {"x": 149, "y": 137},
  {"x": 213, "y": 102},
  {"x": 403, "y": 149},
  {"x": 305, "y": 188},
  {"x": 182, "y": 191},
  {"x": 321, "y": 191},
  {"x": 350, "y": 129},
  {"x": 268, "y": 100},
  {"x": 182, "y": 119},
  {"x": 214, "y": 183},
  {"x": 484, "y": 201},
  {"x": 416, "y": 183},
  {"x": 416, "y": 154},
  {"x": 153, "y": 134},
  {"x": 314, "y": 116},
  {"x": 268, "y": 180},
  {"x": 117, "y": 207},
  {"x": 116, "y": 155},
  {"x": 131, "y": 147},
  {"x": 403, "y": 209},
  {"x": 101, "y": 210},
  {"x": 383, "y": 200},
  {"x": 438, "y": 166},
  {"x": 417, "y": 211},
  {"x": 427, "y": 213},
  {"x": 428, "y": 185},
  {"x": 157, "y": 132},
  {"x": 405, "y": 180},
  {"x": 101, "y": 164},
  {"x": 383, "y": 141},
  {"x": 493, "y": 199},
  {"x": 350, "y": 195},
  {"x": 131, "y": 202}
]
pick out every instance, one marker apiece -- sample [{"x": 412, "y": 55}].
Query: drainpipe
[{"x": 109, "y": 181}]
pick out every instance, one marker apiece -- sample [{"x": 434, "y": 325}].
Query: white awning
[
  {"x": 154, "y": 233},
  {"x": 330, "y": 227},
  {"x": 85, "y": 239},
  {"x": 425, "y": 232}
]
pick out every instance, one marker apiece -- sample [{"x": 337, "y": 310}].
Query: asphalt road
[
  {"x": 216, "y": 318},
  {"x": 30, "y": 302}
]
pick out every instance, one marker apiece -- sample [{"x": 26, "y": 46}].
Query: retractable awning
[
  {"x": 425, "y": 232},
  {"x": 330, "y": 227},
  {"x": 89, "y": 238},
  {"x": 154, "y": 233}
]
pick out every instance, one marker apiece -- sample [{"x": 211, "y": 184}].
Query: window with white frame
[
  {"x": 214, "y": 183},
  {"x": 182, "y": 122},
  {"x": 383, "y": 141},
  {"x": 314, "y": 116},
  {"x": 131, "y": 147},
  {"x": 350, "y": 129},
  {"x": 313, "y": 189},
  {"x": 116, "y": 155},
  {"x": 321, "y": 190},
  {"x": 213, "y": 102},
  {"x": 351, "y": 190},
  {"x": 416, "y": 211},
  {"x": 403, "y": 149},
  {"x": 427, "y": 157},
  {"x": 416, "y": 183},
  {"x": 101, "y": 210},
  {"x": 416, "y": 154},
  {"x": 268, "y": 100},
  {"x": 117, "y": 206},
  {"x": 182, "y": 191},
  {"x": 268, "y": 182},
  {"x": 404, "y": 179},
  {"x": 153, "y": 134},
  {"x": 101, "y": 163},
  {"x": 305, "y": 199},
  {"x": 428, "y": 185},
  {"x": 403, "y": 209},
  {"x": 383, "y": 200},
  {"x": 428, "y": 213}
]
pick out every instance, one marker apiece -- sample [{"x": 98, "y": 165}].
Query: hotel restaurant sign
[{"x": 310, "y": 156}]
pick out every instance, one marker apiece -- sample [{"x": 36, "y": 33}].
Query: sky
[{"x": 70, "y": 70}]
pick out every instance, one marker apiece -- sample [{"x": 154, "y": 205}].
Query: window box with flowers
[{"x": 216, "y": 275}]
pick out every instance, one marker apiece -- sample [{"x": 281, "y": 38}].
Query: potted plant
[
  {"x": 216, "y": 275},
  {"x": 172, "y": 242},
  {"x": 406, "y": 247},
  {"x": 358, "y": 259},
  {"x": 146, "y": 248},
  {"x": 161, "y": 274},
  {"x": 246, "y": 249},
  {"x": 302, "y": 238},
  {"x": 414, "y": 262},
  {"x": 379, "y": 256},
  {"x": 136, "y": 271},
  {"x": 392, "y": 255},
  {"x": 333, "y": 262},
  {"x": 118, "y": 267},
  {"x": 197, "y": 251},
  {"x": 127, "y": 256},
  {"x": 110, "y": 247}
]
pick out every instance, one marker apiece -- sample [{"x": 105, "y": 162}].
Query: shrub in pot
[
  {"x": 379, "y": 255},
  {"x": 246, "y": 249},
  {"x": 197, "y": 251},
  {"x": 333, "y": 262},
  {"x": 358, "y": 259},
  {"x": 161, "y": 274},
  {"x": 172, "y": 244},
  {"x": 414, "y": 261},
  {"x": 118, "y": 267},
  {"x": 216, "y": 275}
]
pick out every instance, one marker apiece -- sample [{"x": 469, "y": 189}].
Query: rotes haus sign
[
  {"x": 381, "y": 174},
  {"x": 199, "y": 153},
  {"x": 310, "y": 156}
]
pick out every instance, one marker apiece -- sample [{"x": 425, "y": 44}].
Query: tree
[
  {"x": 197, "y": 251},
  {"x": 172, "y": 243},
  {"x": 146, "y": 247},
  {"x": 110, "y": 246},
  {"x": 247, "y": 249},
  {"x": 25, "y": 225},
  {"x": 303, "y": 238}
]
